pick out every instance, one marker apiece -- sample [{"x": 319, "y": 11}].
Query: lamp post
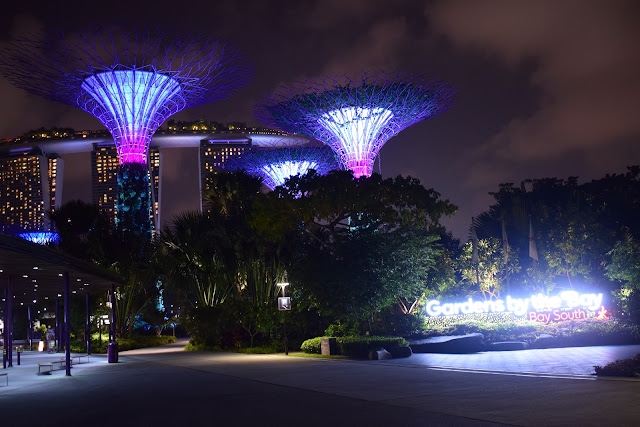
[{"x": 284, "y": 304}]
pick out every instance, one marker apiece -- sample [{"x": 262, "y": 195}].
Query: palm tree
[{"x": 197, "y": 257}]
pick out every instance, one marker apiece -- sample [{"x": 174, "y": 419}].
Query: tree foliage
[
  {"x": 625, "y": 263},
  {"x": 83, "y": 229},
  {"x": 217, "y": 257},
  {"x": 196, "y": 256},
  {"x": 359, "y": 245},
  {"x": 87, "y": 233},
  {"x": 575, "y": 226},
  {"x": 490, "y": 276}
]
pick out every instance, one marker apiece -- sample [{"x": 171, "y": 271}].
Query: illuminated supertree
[
  {"x": 40, "y": 237},
  {"x": 354, "y": 114},
  {"x": 132, "y": 82},
  {"x": 275, "y": 166}
]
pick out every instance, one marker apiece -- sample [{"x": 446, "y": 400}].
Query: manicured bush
[
  {"x": 269, "y": 348},
  {"x": 141, "y": 341},
  {"x": 500, "y": 324},
  {"x": 621, "y": 368},
  {"x": 357, "y": 347},
  {"x": 191, "y": 346},
  {"x": 312, "y": 345},
  {"x": 130, "y": 343},
  {"x": 587, "y": 332},
  {"x": 506, "y": 327}
]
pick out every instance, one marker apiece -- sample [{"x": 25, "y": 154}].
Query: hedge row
[
  {"x": 621, "y": 368},
  {"x": 355, "y": 346},
  {"x": 124, "y": 344},
  {"x": 312, "y": 345}
]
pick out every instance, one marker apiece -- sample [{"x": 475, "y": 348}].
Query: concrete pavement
[
  {"x": 165, "y": 386},
  {"x": 555, "y": 361}
]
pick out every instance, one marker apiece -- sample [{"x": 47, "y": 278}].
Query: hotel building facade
[
  {"x": 30, "y": 186},
  {"x": 31, "y": 171}
]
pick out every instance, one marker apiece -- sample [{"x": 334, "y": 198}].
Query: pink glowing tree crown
[
  {"x": 355, "y": 114},
  {"x": 130, "y": 81},
  {"x": 276, "y": 165}
]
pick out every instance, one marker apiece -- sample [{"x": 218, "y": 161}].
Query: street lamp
[
  {"x": 284, "y": 304},
  {"x": 283, "y": 286}
]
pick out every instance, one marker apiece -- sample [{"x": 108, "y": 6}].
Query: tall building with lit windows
[
  {"x": 30, "y": 186},
  {"x": 31, "y": 180},
  {"x": 154, "y": 183},
  {"x": 214, "y": 152},
  {"x": 104, "y": 179}
]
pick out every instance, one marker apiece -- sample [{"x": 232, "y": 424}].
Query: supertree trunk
[
  {"x": 131, "y": 81},
  {"x": 134, "y": 207}
]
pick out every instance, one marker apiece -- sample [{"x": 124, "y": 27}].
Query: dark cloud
[
  {"x": 544, "y": 88},
  {"x": 587, "y": 64},
  {"x": 378, "y": 48}
]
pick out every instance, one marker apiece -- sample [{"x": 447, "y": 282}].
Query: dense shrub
[
  {"x": 486, "y": 324},
  {"x": 139, "y": 341},
  {"x": 210, "y": 326},
  {"x": 130, "y": 343},
  {"x": 357, "y": 347},
  {"x": 269, "y": 348},
  {"x": 587, "y": 332},
  {"x": 621, "y": 368},
  {"x": 312, "y": 345},
  {"x": 506, "y": 327},
  {"x": 341, "y": 329}
]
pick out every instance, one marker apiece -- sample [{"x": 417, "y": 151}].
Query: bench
[
  {"x": 58, "y": 364},
  {"x": 43, "y": 364},
  {"x": 51, "y": 366},
  {"x": 79, "y": 358},
  {"x": 6, "y": 376}
]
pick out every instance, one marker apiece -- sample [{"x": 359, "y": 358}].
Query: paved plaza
[
  {"x": 166, "y": 386},
  {"x": 556, "y": 361}
]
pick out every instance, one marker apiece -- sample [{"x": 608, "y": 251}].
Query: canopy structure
[
  {"x": 30, "y": 273},
  {"x": 131, "y": 81},
  {"x": 275, "y": 166},
  {"x": 354, "y": 114}
]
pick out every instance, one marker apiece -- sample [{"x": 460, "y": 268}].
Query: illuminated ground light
[
  {"x": 275, "y": 166},
  {"x": 40, "y": 237},
  {"x": 355, "y": 114},
  {"x": 132, "y": 82}
]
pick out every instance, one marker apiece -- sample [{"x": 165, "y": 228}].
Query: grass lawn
[{"x": 316, "y": 356}]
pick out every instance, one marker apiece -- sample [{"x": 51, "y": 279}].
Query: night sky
[{"x": 545, "y": 88}]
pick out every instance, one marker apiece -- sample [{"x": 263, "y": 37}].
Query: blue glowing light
[
  {"x": 275, "y": 166},
  {"x": 354, "y": 114},
  {"x": 40, "y": 237},
  {"x": 359, "y": 134},
  {"x": 275, "y": 174},
  {"x": 132, "y": 107}
]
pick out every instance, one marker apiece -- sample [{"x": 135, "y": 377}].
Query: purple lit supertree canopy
[
  {"x": 354, "y": 114},
  {"x": 130, "y": 81},
  {"x": 40, "y": 237},
  {"x": 277, "y": 165}
]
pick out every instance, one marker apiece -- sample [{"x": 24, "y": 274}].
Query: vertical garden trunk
[{"x": 134, "y": 208}]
